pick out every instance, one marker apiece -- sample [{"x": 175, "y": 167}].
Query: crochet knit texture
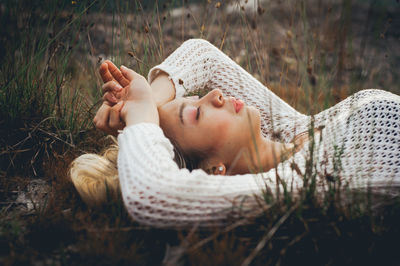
[{"x": 357, "y": 147}]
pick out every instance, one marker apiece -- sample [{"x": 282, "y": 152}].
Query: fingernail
[{"x": 123, "y": 67}]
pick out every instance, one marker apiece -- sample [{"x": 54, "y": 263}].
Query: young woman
[{"x": 245, "y": 139}]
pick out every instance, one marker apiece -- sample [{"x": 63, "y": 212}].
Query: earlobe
[
  {"x": 213, "y": 168},
  {"x": 219, "y": 169}
]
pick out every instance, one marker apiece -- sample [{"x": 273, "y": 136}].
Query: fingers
[
  {"x": 108, "y": 118},
  {"x": 108, "y": 72},
  {"x": 116, "y": 73},
  {"x": 102, "y": 117},
  {"x": 111, "y": 86},
  {"x": 105, "y": 73},
  {"x": 110, "y": 98},
  {"x": 113, "y": 92},
  {"x": 129, "y": 73},
  {"x": 115, "y": 122}
]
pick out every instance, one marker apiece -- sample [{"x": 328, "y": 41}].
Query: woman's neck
[
  {"x": 270, "y": 153},
  {"x": 262, "y": 155}
]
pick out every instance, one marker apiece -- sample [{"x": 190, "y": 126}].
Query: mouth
[{"x": 237, "y": 104}]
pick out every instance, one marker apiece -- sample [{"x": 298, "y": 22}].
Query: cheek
[{"x": 222, "y": 129}]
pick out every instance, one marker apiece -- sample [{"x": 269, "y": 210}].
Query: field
[{"x": 311, "y": 53}]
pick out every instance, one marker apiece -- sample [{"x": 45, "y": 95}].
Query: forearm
[
  {"x": 139, "y": 105},
  {"x": 189, "y": 68},
  {"x": 197, "y": 65},
  {"x": 163, "y": 89},
  {"x": 157, "y": 193},
  {"x": 143, "y": 112}
]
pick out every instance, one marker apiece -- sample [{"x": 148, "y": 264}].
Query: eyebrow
[{"x": 181, "y": 112}]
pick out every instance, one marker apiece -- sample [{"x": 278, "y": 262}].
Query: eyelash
[{"x": 198, "y": 113}]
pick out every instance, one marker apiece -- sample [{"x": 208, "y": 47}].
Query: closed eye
[{"x": 198, "y": 113}]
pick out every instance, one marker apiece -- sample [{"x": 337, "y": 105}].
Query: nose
[{"x": 216, "y": 98}]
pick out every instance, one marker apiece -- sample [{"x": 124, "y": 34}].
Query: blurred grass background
[{"x": 312, "y": 53}]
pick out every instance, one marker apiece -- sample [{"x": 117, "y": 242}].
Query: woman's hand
[
  {"x": 125, "y": 106},
  {"x": 108, "y": 118},
  {"x": 114, "y": 83},
  {"x": 119, "y": 89},
  {"x": 163, "y": 89},
  {"x": 139, "y": 105}
]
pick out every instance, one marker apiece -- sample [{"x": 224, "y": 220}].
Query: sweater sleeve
[
  {"x": 198, "y": 65},
  {"x": 157, "y": 193}
]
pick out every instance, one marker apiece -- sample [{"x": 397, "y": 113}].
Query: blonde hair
[{"x": 95, "y": 177}]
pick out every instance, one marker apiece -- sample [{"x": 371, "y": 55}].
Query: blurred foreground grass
[{"x": 311, "y": 53}]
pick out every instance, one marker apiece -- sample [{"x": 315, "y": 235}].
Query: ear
[{"x": 218, "y": 169}]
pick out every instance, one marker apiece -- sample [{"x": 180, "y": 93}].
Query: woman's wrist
[
  {"x": 139, "y": 105},
  {"x": 134, "y": 112}
]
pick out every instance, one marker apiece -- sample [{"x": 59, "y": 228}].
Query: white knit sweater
[{"x": 358, "y": 146}]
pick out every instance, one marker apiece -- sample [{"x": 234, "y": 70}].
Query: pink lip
[{"x": 237, "y": 104}]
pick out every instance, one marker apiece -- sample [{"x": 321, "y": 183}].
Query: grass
[
  {"x": 307, "y": 52},
  {"x": 40, "y": 113}
]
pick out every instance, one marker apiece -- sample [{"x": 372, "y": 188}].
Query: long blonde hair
[{"x": 95, "y": 176}]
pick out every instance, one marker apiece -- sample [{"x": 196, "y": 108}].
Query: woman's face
[{"x": 214, "y": 124}]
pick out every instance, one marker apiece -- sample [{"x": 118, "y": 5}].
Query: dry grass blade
[
  {"x": 173, "y": 255},
  {"x": 7, "y": 151},
  {"x": 50, "y": 134},
  {"x": 131, "y": 54},
  {"x": 241, "y": 222},
  {"x": 213, "y": 236},
  {"x": 268, "y": 236},
  {"x": 36, "y": 127},
  {"x": 291, "y": 243}
]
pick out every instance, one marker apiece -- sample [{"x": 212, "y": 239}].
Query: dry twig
[{"x": 268, "y": 236}]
